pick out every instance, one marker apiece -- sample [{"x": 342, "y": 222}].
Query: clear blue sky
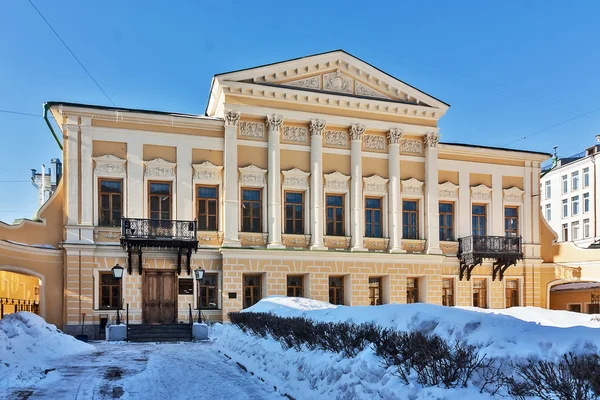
[{"x": 507, "y": 68}]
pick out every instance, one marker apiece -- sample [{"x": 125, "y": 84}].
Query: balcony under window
[{"x": 504, "y": 250}]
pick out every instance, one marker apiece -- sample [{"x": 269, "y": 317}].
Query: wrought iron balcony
[{"x": 472, "y": 250}]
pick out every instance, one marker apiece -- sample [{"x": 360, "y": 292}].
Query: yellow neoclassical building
[{"x": 321, "y": 177}]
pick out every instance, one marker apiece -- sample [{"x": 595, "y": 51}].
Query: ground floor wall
[{"x": 574, "y": 300}]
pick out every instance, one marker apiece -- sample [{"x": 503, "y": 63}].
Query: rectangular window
[
  {"x": 548, "y": 212},
  {"x": 586, "y": 202},
  {"x": 336, "y": 290},
  {"x": 565, "y": 183},
  {"x": 575, "y": 205},
  {"x": 479, "y": 219},
  {"x": 479, "y": 293},
  {"x": 208, "y": 292},
  {"x": 412, "y": 290},
  {"x": 410, "y": 219},
  {"x": 207, "y": 208},
  {"x": 565, "y": 207},
  {"x": 548, "y": 190},
  {"x": 575, "y": 180},
  {"x": 335, "y": 215},
  {"x": 446, "y": 211},
  {"x": 186, "y": 286},
  {"x": 373, "y": 212},
  {"x": 574, "y": 307},
  {"x": 448, "y": 292},
  {"x": 252, "y": 210},
  {"x": 575, "y": 230},
  {"x": 110, "y": 291},
  {"x": 295, "y": 286},
  {"x": 110, "y": 202},
  {"x": 586, "y": 177},
  {"x": 586, "y": 228},
  {"x": 512, "y": 293},
  {"x": 294, "y": 213},
  {"x": 593, "y": 308},
  {"x": 159, "y": 197},
  {"x": 252, "y": 290},
  {"x": 565, "y": 232},
  {"x": 511, "y": 221},
  {"x": 375, "y": 291}
]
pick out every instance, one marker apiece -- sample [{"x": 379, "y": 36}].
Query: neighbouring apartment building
[{"x": 320, "y": 177}]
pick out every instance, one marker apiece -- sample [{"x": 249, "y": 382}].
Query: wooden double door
[{"x": 159, "y": 297}]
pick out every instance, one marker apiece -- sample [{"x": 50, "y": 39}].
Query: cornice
[{"x": 506, "y": 154}]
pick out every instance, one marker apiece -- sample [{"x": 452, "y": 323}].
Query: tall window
[
  {"x": 110, "y": 202},
  {"x": 410, "y": 219},
  {"x": 336, "y": 290},
  {"x": 586, "y": 177},
  {"x": 548, "y": 190},
  {"x": 251, "y": 210},
  {"x": 479, "y": 293},
  {"x": 511, "y": 221},
  {"x": 252, "y": 290},
  {"x": 412, "y": 290},
  {"x": 586, "y": 228},
  {"x": 295, "y": 286},
  {"x": 575, "y": 180},
  {"x": 565, "y": 207},
  {"x": 479, "y": 219},
  {"x": 586, "y": 202},
  {"x": 565, "y": 232},
  {"x": 110, "y": 291},
  {"x": 593, "y": 308},
  {"x": 208, "y": 292},
  {"x": 448, "y": 292},
  {"x": 446, "y": 221},
  {"x": 548, "y": 212},
  {"x": 159, "y": 194},
  {"x": 512, "y": 293},
  {"x": 375, "y": 291},
  {"x": 575, "y": 205},
  {"x": 335, "y": 214},
  {"x": 373, "y": 227},
  {"x": 574, "y": 230},
  {"x": 565, "y": 183},
  {"x": 294, "y": 213},
  {"x": 207, "y": 208}
]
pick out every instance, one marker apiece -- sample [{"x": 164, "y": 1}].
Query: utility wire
[
  {"x": 70, "y": 51},
  {"x": 20, "y": 113}
]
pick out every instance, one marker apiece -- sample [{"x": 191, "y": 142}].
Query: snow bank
[{"x": 27, "y": 344}]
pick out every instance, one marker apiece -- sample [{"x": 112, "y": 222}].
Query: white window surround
[
  {"x": 219, "y": 290},
  {"x": 455, "y": 279},
  {"x": 337, "y": 183},
  {"x": 296, "y": 180},
  {"x": 110, "y": 167},
  {"x": 209, "y": 174},
  {"x": 96, "y": 276},
  {"x": 252, "y": 177},
  {"x": 160, "y": 170},
  {"x": 412, "y": 189},
  {"x": 482, "y": 194},
  {"x": 488, "y": 289},
  {"x": 448, "y": 193},
  {"x": 519, "y": 287},
  {"x": 376, "y": 186},
  {"x": 513, "y": 197}
]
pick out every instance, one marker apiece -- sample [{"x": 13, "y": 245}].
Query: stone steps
[{"x": 159, "y": 333}]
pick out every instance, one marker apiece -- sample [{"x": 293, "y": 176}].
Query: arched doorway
[
  {"x": 19, "y": 291},
  {"x": 578, "y": 296}
]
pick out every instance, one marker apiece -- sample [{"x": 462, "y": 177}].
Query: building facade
[{"x": 320, "y": 177}]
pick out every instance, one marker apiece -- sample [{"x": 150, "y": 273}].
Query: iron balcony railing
[
  {"x": 490, "y": 246},
  {"x": 154, "y": 229},
  {"x": 8, "y": 305}
]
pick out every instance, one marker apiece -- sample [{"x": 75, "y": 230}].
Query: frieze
[
  {"x": 412, "y": 186},
  {"x": 364, "y": 90},
  {"x": 296, "y": 178},
  {"x": 481, "y": 192},
  {"x": 410, "y": 146},
  {"x": 295, "y": 134},
  {"x": 336, "y": 138},
  {"x": 310, "y": 83},
  {"x": 109, "y": 165},
  {"x": 107, "y": 235},
  {"x": 252, "y": 129},
  {"x": 375, "y": 142},
  {"x": 447, "y": 190},
  {"x": 336, "y": 180},
  {"x": 252, "y": 175},
  {"x": 375, "y": 184},
  {"x": 159, "y": 168},
  {"x": 514, "y": 195},
  {"x": 337, "y": 82},
  {"x": 207, "y": 171}
]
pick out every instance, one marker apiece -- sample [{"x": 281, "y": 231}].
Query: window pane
[
  {"x": 334, "y": 200},
  {"x": 207, "y": 192},
  {"x": 212, "y": 207},
  {"x": 409, "y": 205},
  {"x": 373, "y": 203},
  {"x": 110, "y": 186},
  {"x": 160, "y": 188},
  {"x": 251, "y": 194}
]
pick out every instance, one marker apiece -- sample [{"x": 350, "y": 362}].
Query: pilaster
[
  {"x": 274, "y": 183},
  {"x": 72, "y": 170},
  {"x": 135, "y": 180},
  {"x": 464, "y": 204},
  {"x": 497, "y": 214},
  {"x": 526, "y": 214},
  {"x": 316, "y": 183},
  {"x": 535, "y": 199},
  {"x": 394, "y": 200},
  {"x": 432, "y": 220},
  {"x": 87, "y": 179},
  {"x": 356, "y": 182},
  {"x": 231, "y": 201},
  {"x": 185, "y": 189}
]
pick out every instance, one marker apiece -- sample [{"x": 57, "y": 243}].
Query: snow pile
[
  {"x": 514, "y": 333},
  {"x": 27, "y": 344}
]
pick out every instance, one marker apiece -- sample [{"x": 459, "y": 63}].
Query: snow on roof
[{"x": 575, "y": 286}]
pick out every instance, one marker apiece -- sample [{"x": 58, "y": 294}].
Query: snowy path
[{"x": 147, "y": 371}]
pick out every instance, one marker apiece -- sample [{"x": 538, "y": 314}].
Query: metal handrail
[
  {"x": 191, "y": 320},
  {"x": 127, "y": 325},
  {"x": 490, "y": 244},
  {"x": 145, "y": 228}
]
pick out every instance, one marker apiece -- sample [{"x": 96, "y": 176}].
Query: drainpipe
[{"x": 46, "y": 108}]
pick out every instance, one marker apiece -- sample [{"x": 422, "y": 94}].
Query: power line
[
  {"x": 20, "y": 113},
  {"x": 70, "y": 51},
  {"x": 15, "y": 181}
]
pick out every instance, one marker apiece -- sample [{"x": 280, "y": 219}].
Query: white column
[
  {"x": 316, "y": 184},
  {"x": 497, "y": 205},
  {"x": 394, "y": 200},
  {"x": 135, "y": 180},
  {"x": 432, "y": 210},
  {"x": 185, "y": 190},
  {"x": 87, "y": 179},
  {"x": 274, "y": 183},
  {"x": 231, "y": 201},
  {"x": 464, "y": 204},
  {"x": 527, "y": 216},
  {"x": 72, "y": 170},
  {"x": 356, "y": 186}
]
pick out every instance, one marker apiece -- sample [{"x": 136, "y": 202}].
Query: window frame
[
  {"x": 111, "y": 194},
  {"x": 478, "y": 216},
  {"x": 377, "y": 298},
  {"x": 294, "y": 288},
  {"x": 171, "y": 199},
  {"x": 334, "y": 208},
  {"x": 412, "y": 292},
  {"x": 117, "y": 170},
  {"x": 217, "y": 208},
  {"x": 575, "y": 205},
  {"x": 586, "y": 228},
  {"x": 200, "y": 286},
  {"x": 575, "y": 230},
  {"x": 452, "y": 281},
  {"x": 294, "y": 219},
  {"x": 586, "y": 177},
  {"x": 515, "y": 293},
  {"x": 253, "y": 298},
  {"x": 335, "y": 288},
  {"x": 118, "y": 285},
  {"x": 261, "y": 200},
  {"x": 417, "y": 223},
  {"x": 586, "y": 202},
  {"x": 479, "y": 291},
  {"x": 565, "y": 184},
  {"x": 373, "y": 223},
  {"x": 565, "y": 232},
  {"x": 548, "y": 211},
  {"x": 511, "y": 232},
  {"x": 574, "y": 180},
  {"x": 565, "y": 208},
  {"x": 548, "y": 188},
  {"x": 452, "y": 214}
]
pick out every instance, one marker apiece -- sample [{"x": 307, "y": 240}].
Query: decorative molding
[
  {"x": 274, "y": 122},
  {"x": 413, "y": 245},
  {"x": 207, "y": 172},
  {"x": 481, "y": 192},
  {"x": 295, "y": 178},
  {"x": 295, "y": 134},
  {"x": 252, "y": 176},
  {"x": 412, "y": 186},
  {"x": 109, "y": 164},
  {"x": 292, "y": 240},
  {"x": 394, "y": 135},
  {"x": 337, "y": 82},
  {"x": 431, "y": 140},
  {"x": 336, "y": 180},
  {"x": 336, "y": 138},
  {"x": 208, "y": 236},
  {"x": 567, "y": 273},
  {"x": 255, "y": 239},
  {"x": 376, "y": 243},
  {"x": 449, "y": 247},
  {"x": 159, "y": 168},
  {"x": 107, "y": 234},
  {"x": 356, "y": 131},
  {"x": 313, "y": 82},
  {"x": 364, "y": 90},
  {"x": 316, "y": 127},
  {"x": 252, "y": 129},
  {"x": 330, "y": 241},
  {"x": 231, "y": 118},
  {"x": 376, "y": 142},
  {"x": 410, "y": 146},
  {"x": 513, "y": 195},
  {"x": 448, "y": 190},
  {"x": 375, "y": 184}
]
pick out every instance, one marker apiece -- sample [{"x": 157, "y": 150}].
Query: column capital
[
  {"x": 394, "y": 135},
  {"x": 356, "y": 131},
  {"x": 316, "y": 127},
  {"x": 232, "y": 118},
  {"x": 274, "y": 122},
  {"x": 431, "y": 139}
]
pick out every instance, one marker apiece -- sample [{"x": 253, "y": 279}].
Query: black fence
[
  {"x": 9, "y": 306},
  {"x": 490, "y": 246},
  {"x": 155, "y": 229}
]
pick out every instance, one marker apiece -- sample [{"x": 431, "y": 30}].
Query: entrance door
[{"x": 160, "y": 297}]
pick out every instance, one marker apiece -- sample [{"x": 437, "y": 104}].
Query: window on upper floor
[
  {"x": 565, "y": 232},
  {"x": 565, "y": 208},
  {"x": 575, "y": 180},
  {"x": 110, "y": 202},
  {"x": 159, "y": 198},
  {"x": 511, "y": 221},
  {"x": 479, "y": 219},
  {"x": 586, "y": 177},
  {"x": 373, "y": 220},
  {"x": 548, "y": 212},
  {"x": 252, "y": 210},
  {"x": 446, "y": 211},
  {"x": 207, "y": 201},
  {"x": 586, "y": 202},
  {"x": 586, "y": 228},
  {"x": 575, "y": 230},
  {"x": 565, "y": 183},
  {"x": 575, "y": 205},
  {"x": 294, "y": 213},
  {"x": 410, "y": 219},
  {"x": 548, "y": 190},
  {"x": 335, "y": 215}
]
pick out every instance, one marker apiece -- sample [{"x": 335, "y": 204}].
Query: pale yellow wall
[
  {"x": 336, "y": 162},
  {"x": 375, "y": 166},
  {"x": 167, "y": 153},
  {"x": 448, "y": 176},
  {"x": 483, "y": 160},
  {"x": 19, "y": 286},
  {"x": 299, "y": 125},
  {"x": 481, "y": 179},
  {"x": 412, "y": 169},
  {"x": 101, "y": 148},
  {"x": 163, "y": 128},
  {"x": 248, "y": 155},
  {"x": 559, "y": 300},
  {"x": 213, "y": 156},
  {"x": 510, "y": 181},
  {"x": 295, "y": 159}
]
